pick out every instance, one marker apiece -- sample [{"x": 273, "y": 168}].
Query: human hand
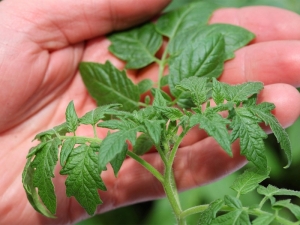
[{"x": 39, "y": 100}]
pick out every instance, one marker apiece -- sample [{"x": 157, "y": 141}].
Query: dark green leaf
[
  {"x": 33, "y": 151},
  {"x": 83, "y": 179},
  {"x": 71, "y": 117},
  {"x": 235, "y": 37},
  {"x": 154, "y": 130},
  {"x": 201, "y": 59},
  {"x": 44, "y": 163},
  {"x": 170, "y": 24},
  {"x": 93, "y": 117},
  {"x": 143, "y": 144},
  {"x": 263, "y": 111},
  {"x": 210, "y": 213},
  {"x": 245, "y": 126},
  {"x": 117, "y": 162},
  {"x": 31, "y": 192},
  {"x": 248, "y": 181},
  {"x": 61, "y": 129},
  {"x": 170, "y": 112},
  {"x": 137, "y": 46},
  {"x": 263, "y": 220},
  {"x": 216, "y": 126},
  {"x": 66, "y": 149},
  {"x": 107, "y": 85},
  {"x": 159, "y": 100},
  {"x": 145, "y": 85}
]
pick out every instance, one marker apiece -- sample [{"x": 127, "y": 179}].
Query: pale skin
[{"x": 41, "y": 44}]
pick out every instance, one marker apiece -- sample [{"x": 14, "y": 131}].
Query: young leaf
[
  {"x": 235, "y": 37},
  {"x": 263, "y": 111},
  {"x": 44, "y": 136},
  {"x": 201, "y": 59},
  {"x": 44, "y": 163},
  {"x": 216, "y": 126},
  {"x": 154, "y": 129},
  {"x": 271, "y": 191},
  {"x": 170, "y": 24},
  {"x": 295, "y": 209},
  {"x": 159, "y": 100},
  {"x": 66, "y": 149},
  {"x": 137, "y": 46},
  {"x": 236, "y": 217},
  {"x": 93, "y": 117},
  {"x": 117, "y": 162},
  {"x": 245, "y": 126},
  {"x": 232, "y": 202},
  {"x": 31, "y": 192},
  {"x": 71, "y": 117},
  {"x": 170, "y": 112},
  {"x": 83, "y": 179},
  {"x": 142, "y": 145},
  {"x": 107, "y": 85},
  {"x": 248, "y": 181},
  {"x": 145, "y": 85},
  {"x": 263, "y": 220},
  {"x": 210, "y": 213}
]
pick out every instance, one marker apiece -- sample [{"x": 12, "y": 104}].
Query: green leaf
[
  {"x": 235, "y": 37},
  {"x": 142, "y": 145},
  {"x": 159, "y": 100},
  {"x": 145, "y": 85},
  {"x": 164, "y": 80},
  {"x": 71, "y": 117},
  {"x": 113, "y": 145},
  {"x": 273, "y": 191},
  {"x": 216, "y": 126},
  {"x": 210, "y": 213},
  {"x": 201, "y": 59},
  {"x": 170, "y": 24},
  {"x": 83, "y": 179},
  {"x": 33, "y": 151},
  {"x": 233, "y": 202},
  {"x": 137, "y": 46},
  {"x": 107, "y": 85},
  {"x": 236, "y": 217},
  {"x": 248, "y": 181},
  {"x": 154, "y": 130},
  {"x": 263, "y": 220},
  {"x": 31, "y": 192},
  {"x": 44, "y": 136},
  {"x": 263, "y": 111},
  {"x": 170, "y": 112},
  {"x": 295, "y": 209},
  {"x": 93, "y": 117},
  {"x": 66, "y": 149},
  {"x": 44, "y": 163},
  {"x": 117, "y": 162},
  {"x": 245, "y": 126},
  {"x": 197, "y": 87}
]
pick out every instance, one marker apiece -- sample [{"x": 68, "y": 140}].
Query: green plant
[{"x": 195, "y": 54}]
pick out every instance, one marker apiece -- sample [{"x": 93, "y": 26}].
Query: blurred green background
[{"x": 159, "y": 212}]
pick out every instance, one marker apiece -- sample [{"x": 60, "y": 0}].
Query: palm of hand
[{"x": 42, "y": 96}]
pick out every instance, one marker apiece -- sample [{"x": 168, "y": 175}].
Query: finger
[
  {"x": 267, "y": 23},
  {"x": 269, "y": 62},
  {"x": 55, "y": 25}
]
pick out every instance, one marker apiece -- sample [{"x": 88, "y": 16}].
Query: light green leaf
[
  {"x": 273, "y": 191},
  {"x": 66, "y": 149},
  {"x": 295, "y": 209},
  {"x": 142, "y": 145},
  {"x": 216, "y": 126},
  {"x": 83, "y": 179},
  {"x": 245, "y": 126},
  {"x": 201, "y": 59},
  {"x": 44, "y": 136},
  {"x": 170, "y": 24},
  {"x": 236, "y": 217},
  {"x": 145, "y": 85},
  {"x": 197, "y": 86},
  {"x": 44, "y": 163},
  {"x": 31, "y": 192},
  {"x": 248, "y": 181},
  {"x": 235, "y": 37},
  {"x": 93, "y": 117},
  {"x": 218, "y": 91},
  {"x": 263, "y": 220},
  {"x": 154, "y": 130},
  {"x": 159, "y": 100},
  {"x": 107, "y": 85},
  {"x": 263, "y": 111},
  {"x": 71, "y": 117},
  {"x": 170, "y": 112},
  {"x": 137, "y": 46},
  {"x": 210, "y": 213},
  {"x": 233, "y": 202}
]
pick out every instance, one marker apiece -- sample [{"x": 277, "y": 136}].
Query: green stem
[
  {"x": 148, "y": 166},
  {"x": 162, "y": 64}
]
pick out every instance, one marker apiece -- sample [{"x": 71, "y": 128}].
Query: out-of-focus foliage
[{"x": 159, "y": 212}]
